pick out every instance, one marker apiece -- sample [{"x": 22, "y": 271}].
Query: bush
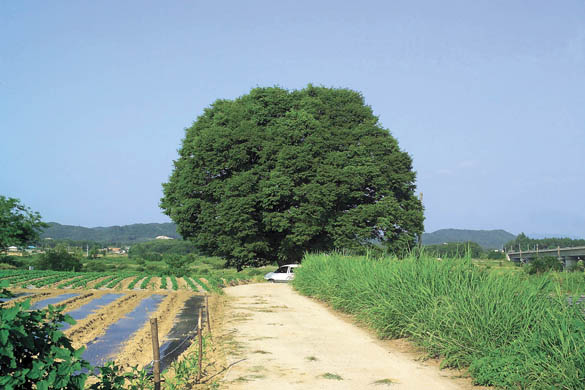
[
  {"x": 34, "y": 353},
  {"x": 496, "y": 255},
  {"x": 59, "y": 259},
  {"x": 95, "y": 266},
  {"x": 176, "y": 264},
  {"x": 543, "y": 264}
]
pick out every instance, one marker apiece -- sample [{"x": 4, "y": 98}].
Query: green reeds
[{"x": 512, "y": 331}]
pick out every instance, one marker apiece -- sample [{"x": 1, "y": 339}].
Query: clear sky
[{"x": 488, "y": 97}]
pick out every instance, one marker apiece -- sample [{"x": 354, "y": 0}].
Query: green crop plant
[
  {"x": 144, "y": 284},
  {"x": 163, "y": 282},
  {"x": 190, "y": 283},
  {"x": 135, "y": 281},
  {"x": 69, "y": 282},
  {"x": 174, "y": 283},
  {"x": 89, "y": 278},
  {"x": 513, "y": 331},
  {"x": 104, "y": 282}
]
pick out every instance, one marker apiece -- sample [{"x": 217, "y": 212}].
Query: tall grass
[{"x": 512, "y": 331}]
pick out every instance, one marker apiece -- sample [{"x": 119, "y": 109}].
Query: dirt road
[{"x": 289, "y": 341}]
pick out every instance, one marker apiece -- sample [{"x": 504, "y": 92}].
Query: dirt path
[{"x": 289, "y": 341}]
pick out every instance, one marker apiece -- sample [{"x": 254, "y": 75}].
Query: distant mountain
[
  {"x": 127, "y": 234},
  {"x": 488, "y": 239}
]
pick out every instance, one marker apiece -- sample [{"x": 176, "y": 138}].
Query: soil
[
  {"x": 97, "y": 323},
  {"x": 278, "y": 338},
  {"x": 138, "y": 349}
]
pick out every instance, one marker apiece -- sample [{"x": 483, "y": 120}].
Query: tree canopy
[
  {"x": 276, "y": 173},
  {"x": 59, "y": 259},
  {"x": 19, "y": 225}
]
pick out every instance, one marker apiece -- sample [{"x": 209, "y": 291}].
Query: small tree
[
  {"x": 19, "y": 225},
  {"x": 176, "y": 264},
  {"x": 59, "y": 259}
]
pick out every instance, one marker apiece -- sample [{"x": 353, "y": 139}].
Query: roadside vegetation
[{"x": 511, "y": 330}]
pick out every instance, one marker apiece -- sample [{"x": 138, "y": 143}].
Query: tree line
[{"x": 523, "y": 242}]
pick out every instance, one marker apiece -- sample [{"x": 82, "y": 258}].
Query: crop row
[{"x": 84, "y": 280}]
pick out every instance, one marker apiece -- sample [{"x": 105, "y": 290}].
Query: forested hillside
[
  {"x": 126, "y": 234},
  {"x": 488, "y": 239}
]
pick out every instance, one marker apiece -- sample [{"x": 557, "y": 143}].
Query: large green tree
[
  {"x": 276, "y": 173},
  {"x": 19, "y": 225}
]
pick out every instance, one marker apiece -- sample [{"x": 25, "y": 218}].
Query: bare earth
[{"x": 289, "y": 341}]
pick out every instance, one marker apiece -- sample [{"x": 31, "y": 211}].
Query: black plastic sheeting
[
  {"x": 14, "y": 297},
  {"x": 87, "y": 309},
  {"x": 102, "y": 348},
  {"x": 183, "y": 332},
  {"x": 52, "y": 301}
]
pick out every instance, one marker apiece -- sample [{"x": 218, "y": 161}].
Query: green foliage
[
  {"x": 177, "y": 264},
  {"x": 144, "y": 283},
  {"x": 543, "y": 264},
  {"x": 95, "y": 266},
  {"x": 34, "y": 353},
  {"x": 155, "y": 250},
  {"x": 59, "y": 259},
  {"x": 19, "y": 225},
  {"x": 495, "y": 255},
  {"x": 512, "y": 330},
  {"x": 275, "y": 173},
  {"x": 526, "y": 243},
  {"x": 174, "y": 283},
  {"x": 114, "y": 377}
]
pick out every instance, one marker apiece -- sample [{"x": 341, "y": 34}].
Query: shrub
[
  {"x": 34, "y": 353},
  {"x": 59, "y": 259},
  {"x": 544, "y": 264}
]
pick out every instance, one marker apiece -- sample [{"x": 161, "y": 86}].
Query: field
[
  {"x": 511, "y": 330},
  {"x": 112, "y": 309},
  {"x": 113, "y": 280}
]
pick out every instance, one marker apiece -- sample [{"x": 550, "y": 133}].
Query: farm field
[
  {"x": 112, "y": 311},
  {"x": 26, "y": 279}
]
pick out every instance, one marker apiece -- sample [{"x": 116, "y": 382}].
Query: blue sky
[{"x": 487, "y": 97}]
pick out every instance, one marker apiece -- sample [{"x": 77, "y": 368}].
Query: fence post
[
  {"x": 200, "y": 357},
  {"x": 155, "y": 353},
  {"x": 207, "y": 312}
]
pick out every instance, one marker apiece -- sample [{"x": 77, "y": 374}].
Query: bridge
[{"x": 568, "y": 256}]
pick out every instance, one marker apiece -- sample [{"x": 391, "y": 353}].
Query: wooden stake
[
  {"x": 200, "y": 347},
  {"x": 207, "y": 312},
  {"x": 155, "y": 353}
]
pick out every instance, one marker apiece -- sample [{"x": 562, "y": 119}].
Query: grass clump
[
  {"x": 329, "y": 375},
  {"x": 513, "y": 331}
]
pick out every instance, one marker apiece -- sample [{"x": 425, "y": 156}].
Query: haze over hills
[
  {"x": 127, "y": 234},
  {"x": 488, "y": 239}
]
